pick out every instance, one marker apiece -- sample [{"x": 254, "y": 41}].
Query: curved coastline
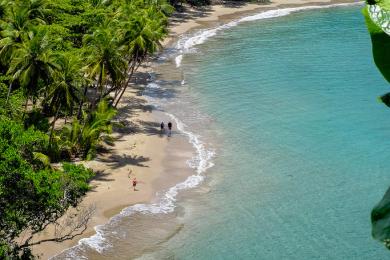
[{"x": 184, "y": 37}]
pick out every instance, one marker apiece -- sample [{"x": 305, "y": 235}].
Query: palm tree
[
  {"x": 12, "y": 30},
  {"x": 83, "y": 138},
  {"x": 3, "y": 8},
  {"x": 141, "y": 36},
  {"x": 64, "y": 92},
  {"x": 67, "y": 83},
  {"x": 37, "y": 10},
  {"x": 16, "y": 25},
  {"x": 33, "y": 63},
  {"x": 96, "y": 127},
  {"x": 104, "y": 57},
  {"x": 98, "y": 3},
  {"x": 69, "y": 138}
]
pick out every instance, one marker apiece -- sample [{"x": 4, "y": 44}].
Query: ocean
[{"x": 290, "y": 144}]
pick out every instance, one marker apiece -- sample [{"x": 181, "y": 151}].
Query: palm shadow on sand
[{"x": 116, "y": 161}]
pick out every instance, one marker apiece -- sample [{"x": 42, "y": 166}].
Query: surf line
[{"x": 187, "y": 43}]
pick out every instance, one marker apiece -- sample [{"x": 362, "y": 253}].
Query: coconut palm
[
  {"x": 37, "y": 10},
  {"x": 96, "y": 128},
  {"x": 104, "y": 57},
  {"x": 16, "y": 26},
  {"x": 141, "y": 36},
  {"x": 98, "y": 3},
  {"x": 64, "y": 92},
  {"x": 33, "y": 63},
  {"x": 18, "y": 23},
  {"x": 67, "y": 83},
  {"x": 68, "y": 140},
  {"x": 3, "y": 8},
  {"x": 82, "y": 138}
]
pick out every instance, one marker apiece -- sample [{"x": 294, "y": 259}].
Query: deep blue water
[{"x": 303, "y": 144}]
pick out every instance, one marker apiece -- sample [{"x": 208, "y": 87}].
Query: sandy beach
[{"x": 139, "y": 146}]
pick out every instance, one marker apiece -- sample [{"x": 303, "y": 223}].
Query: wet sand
[{"x": 156, "y": 161}]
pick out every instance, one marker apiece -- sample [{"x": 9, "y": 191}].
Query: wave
[
  {"x": 165, "y": 204},
  {"x": 187, "y": 43},
  {"x": 200, "y": 163},
  {"x": 178, "y": 60}
]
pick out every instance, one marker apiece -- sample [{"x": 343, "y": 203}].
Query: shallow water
[
  {"x": 303, "y": 156},
  {"x": 286, "y": 110}
]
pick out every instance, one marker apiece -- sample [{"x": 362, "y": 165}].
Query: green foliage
[
  {"x": 380, "y": 215},
  {"x": 76, "y": 178},
  {"x": 33, "y": 63},
  {"x": 383, "y": 3},
  {"x": 31, "y": 193},
  {"x": 380, "y": 46},
  {"x": 35, "y": 118},
  {"x": 103, "y": 59},
  {"x": 43, "y": 158},
  {"x": 15, "y": 140},
  {"x": 83, "y": 138},
  {"x": 110, "y": 39},
  {"x": 371, "y": 2},
  {"x": 64, "y": 91},
  {"x": 12, "y": 108},
  {"x": 5, "y": 250},
  {"x": 60, "y": 60}
]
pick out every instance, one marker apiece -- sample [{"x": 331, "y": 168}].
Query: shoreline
[
  {"x": 141, "y": 148},
  {"x": 220, "y": 14}
]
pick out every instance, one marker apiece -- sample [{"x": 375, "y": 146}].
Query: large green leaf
[
  {"x": 380, "y": 217},
  {"x": 44, "y": 159},
  {"x": 385, "y": 99},
  {"x": 377, "y": 15},
  {"x": 380, "y": 45}
]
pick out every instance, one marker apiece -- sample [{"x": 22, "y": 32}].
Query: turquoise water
[
  {"x": 289, "y": 104},
  {"x": 289, "y": 107}
]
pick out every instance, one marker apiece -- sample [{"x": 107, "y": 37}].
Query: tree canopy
[{"x": 68, "y": 61}]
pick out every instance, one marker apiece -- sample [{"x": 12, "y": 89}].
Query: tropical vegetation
[
  {"x": 64, "y": 68},
  {"x": 377, "y": 15}
]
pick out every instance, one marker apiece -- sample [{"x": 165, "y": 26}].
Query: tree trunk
[
  {"x": 118, "y": 88},
  {"x": 124, "y": 88},
  {"x": 25, "y": 106},
  {"x": 9, "y": 93},
  {"x": 132, "y": 68},
  {"x": 100, "y": 87},
  {"x": 53, "y": 124},
  {"x": 82, "y": 102}
]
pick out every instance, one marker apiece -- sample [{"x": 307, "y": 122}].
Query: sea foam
[
  {"x": 165, "y": 203},
  {"x": 187, "y": 43},
  {"x": 203, "y": 159}
]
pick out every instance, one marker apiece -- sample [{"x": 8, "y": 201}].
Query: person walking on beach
[
  {"x": 162, "y": 127},
  {"x": 169, "y": 129},
  {"x": 134, "y": 183}
]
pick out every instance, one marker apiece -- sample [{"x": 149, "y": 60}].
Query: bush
[
  {"x": 76, "y": 178},
  {"x": 37, "y": 119},
  {"x": 82, "y": 138},
  {"x": 32, "y": 195}
]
